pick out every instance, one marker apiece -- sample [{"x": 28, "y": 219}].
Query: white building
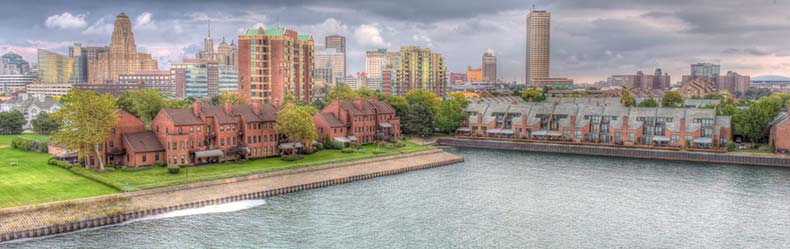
[
  {"x": 30, "y": 105},
  {"x": 330, "y": 58},
  {"x": 50, "y": 90},
  {"x": 374, "y": 64},
  {"x": 15, "y": 82}
]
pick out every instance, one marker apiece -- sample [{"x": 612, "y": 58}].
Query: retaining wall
[
  {"x": 122, "y": 217},
  {"x": 620, "y": 152}
]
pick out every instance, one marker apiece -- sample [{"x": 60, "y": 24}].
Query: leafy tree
[
  {"x": 12, "y": 122},
  {"x": 85, "y": 120},
  {"x": 627, "y": 98},
  {"x": 756, "y": 93},
  {"x": 296, "y": 123},
  {"x": 713, "y": 96},
  {"x": 231, "y": 97},
  {"x": 450, "y": 115},
  {"x": 43, "y": 124},
  {"x": 533, "y": 95},
  {"x": 423, "y": 97},
  {"x": 753, "y": 122},
  {"x": 318, "y": 104},
  {"x": 672, "y": 99},
  {"x": 144, "y": 104},
  {"x": 459, "y": 97},
  {"x": 366, "y": 93},
  {"x": 419, "y": 120},
  {"x": 399, "y": 103},
  {"x": 648, "y": 103},
  {"x": 179, "y": 103},
  {"x": 341, "y": 92}
]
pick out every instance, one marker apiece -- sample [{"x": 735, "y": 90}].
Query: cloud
[
  {"x": 65, "y": 21},
  {"x": 369, "y": 36},
  {"x": 146, "y": 18},
  {"x": 100, "y": 27}
]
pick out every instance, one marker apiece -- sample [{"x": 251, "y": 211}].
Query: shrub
[
  {"x": 173, "y": 169},
  {"x": 63, "y": 164},
  {"x": 347, "y": 150},
  {"x": 400, "y": 144},
  {"x": 730, "y": 146},
  {"x": 308, "y": 151},
  {"x": 290, "y": 158},
  {"x": 319, "y": 146},
  {"x": 160, "y": 163}
]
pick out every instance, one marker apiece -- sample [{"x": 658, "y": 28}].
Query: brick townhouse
[
  {"x": 603, "y": 124},
  {"x": 358, "y": 121},
  {"x": 780, "y": 132}
]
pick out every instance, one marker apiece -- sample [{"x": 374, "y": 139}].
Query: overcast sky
[{"x": 591, "y": 39}]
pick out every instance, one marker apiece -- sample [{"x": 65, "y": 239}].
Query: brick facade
[{"x": 360, "y": 121}]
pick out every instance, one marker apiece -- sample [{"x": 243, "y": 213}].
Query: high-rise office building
[
  {"x": 538, "y": 43},
  {"x": 54, "y": 68},
  {"x": 82, "y": 55},
  {"x": 203, "y": 78},
  {"x": 474, "y": 74},
  {"x": 489, "y": 66},
  {"x": 375, "y": 63},
  {"x": 329, "y": 58},
  {"x": 13, "y": 64},
  {"x": 708, "y": 71},
  {"x": 225, "y": 54},
  {"x": 339, "y": 44},
  {"x": 418, "y": 68},
  {"x": 274, "y": 62},
  {"x": 122, "y": 57}
]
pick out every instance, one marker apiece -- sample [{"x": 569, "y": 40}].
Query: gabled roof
[
  {"x": 218, "y": 112},
  {"x": 251, "y": 32},
  {"x": 331, "y": 120},
  {"x": 182, "y": 117},
  {"x": 145, "y": 141},
  {"x": 303, "y": 37},
  {"x": 367, "y": 108},
  {"x": 274, "y": 32},
  {"x": 247, "y": 112},
  {"x": 269, "y": 112},
  {"x": 781, "y": 118},
  {"x": 383, "y": 108}
]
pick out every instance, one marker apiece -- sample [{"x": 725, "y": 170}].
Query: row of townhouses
[
  {"x": 211, "y": 134},
  {"x": 597, "y": 123}
]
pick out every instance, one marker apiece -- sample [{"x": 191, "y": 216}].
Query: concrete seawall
[
  {"x": 67, "y": 216},
  {"x": 705, "y": 157}
]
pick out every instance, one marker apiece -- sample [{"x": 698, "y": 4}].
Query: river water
[{"x": 496, "y": 199}]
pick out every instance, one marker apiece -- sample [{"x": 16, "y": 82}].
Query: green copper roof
[
  {"x": 251, "y": 32},
  {"x": 304, "y": 37},
  {"x": 274, "y": 32}
]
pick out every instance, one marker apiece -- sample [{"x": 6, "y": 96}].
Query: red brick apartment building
[
  {"x": 780, "y": 133},
  {"x": 210, "y": 134}
]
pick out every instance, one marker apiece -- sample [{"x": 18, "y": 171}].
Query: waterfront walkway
[{"x": 49, "y": 218}]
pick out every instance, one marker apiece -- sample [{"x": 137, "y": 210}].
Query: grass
[
  {"x": 158, "y": 177},
  {"x": 33, "y": 181}
]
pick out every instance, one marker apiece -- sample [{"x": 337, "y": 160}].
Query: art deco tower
[
  {"x": 122, "y": 57},
  {"x": 538, "y": 40}
]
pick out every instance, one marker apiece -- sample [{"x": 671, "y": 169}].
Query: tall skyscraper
[
  {"x": 339, "y": 44},
  {"x": 375, "y": 62},
  {"x": 274, "y": 62},
  {"x": 54, "y": 68},
  {"x": 225, "y": 54},
  {"x": 419, "y": 68},
  {"x": 329, "y": 58},
  {"x": 83, "y": 55},
  {"x": 489, "y": 66},
  {"x": 13, "y": 64},
  {"x": 538, "y": 42},
  {"x": 122, "y": 57},
  {"x": 203, "y": 77}
]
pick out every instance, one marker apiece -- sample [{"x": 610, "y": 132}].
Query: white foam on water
[{"x": 221, "y": 208}]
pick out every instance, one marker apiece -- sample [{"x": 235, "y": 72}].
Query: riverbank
[
  {"x": 66, "y": 216},
  {"x": 690, "y": 156}
]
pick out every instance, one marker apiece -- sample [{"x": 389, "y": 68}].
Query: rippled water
[{"x": 496, "y": 199}]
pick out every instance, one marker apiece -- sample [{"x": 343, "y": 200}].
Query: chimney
[
  {"x": 228, "y": 107},
  {"x": 196, "y": 107},
  {"x": 358, "y": 103},
  {"x": 256, "y": 107}
]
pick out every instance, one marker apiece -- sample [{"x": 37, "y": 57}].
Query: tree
[
  {"x": 419, "y": 120},
  {"x": 341, "y": 92},
  {"x": 627, "y": 98},
  {"x": 533, "y": 95},
  {"x": 399, "y": 103},
  {"x": 672, "y": 99},
  {"x": 179, "y": 103},
  {"x": 460, "y": 98},
  {"x": 144, "y": 104},
  {"x": 450, "y": 115},
  {"x": 423, "y": 97},
  {"x": 296, "y": 123},
  {"x": 318, "y": 104},
  {"x": 43, "y": 124},
  {"x": 756, "y": 93},
  {"x": 366, "y": 93},
  {"x": 12, "y": 122},
  {"x": 229, "y": 97},
  {"x": 648, "y": 103},
  {"x": 753, "y": 122},
  {"x": 85, "y": 120}
]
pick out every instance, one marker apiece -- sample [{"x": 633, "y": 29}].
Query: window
[
  {"x": 145, "y": 158},
  {"x": 578, "y": 134},
  {"x": 222, "y": 141},
  {"x": 221, "y": 128},
  {"x": 180, "y": 130},
  {"x": 109, "y": 144},
  {"x": 191, "y": 129},
  {"x": 198, "y": 128},
  {"x": 175, "y": 146},
  {"x": 156, "y": 156},
  {"x": 630, "y": 136},
  {"x": 183, "y": 145},
  {"x": 183, "y": 160}
]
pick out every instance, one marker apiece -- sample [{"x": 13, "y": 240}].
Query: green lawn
[
  {"x": 158, "y": 177},
  {"x": 33, "y": 181}
]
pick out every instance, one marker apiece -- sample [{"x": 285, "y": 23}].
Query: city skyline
[{"x": 590, "y": 41}]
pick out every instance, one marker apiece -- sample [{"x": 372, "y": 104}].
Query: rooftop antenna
[{"x": 209, "y": 27}]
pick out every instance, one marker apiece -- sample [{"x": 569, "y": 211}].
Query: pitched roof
[
  {"x": 781, "y": 118},
  {"x": 182, "y": 117},
  {"x": 247, "y": 112},
  {"x": 145, "y": 141},
  {"x": 331, "y": 120},
  {"x": 383, "y": 108},
  {"x": 269, "y": 112},
  {"x": 218, "y": 112},
  {"x": 367, "y": 108},
  {"x": 303, "y": 37},
  {"x": 275, "y": 32}
]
